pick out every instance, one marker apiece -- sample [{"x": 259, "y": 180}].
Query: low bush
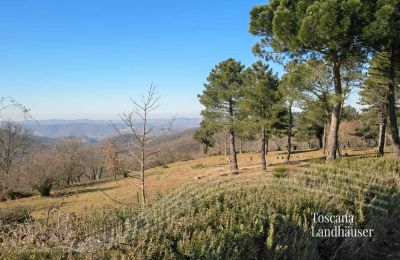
[
  {"x": 14, "y": 215},
  {"x": 3, "y": 196},
  {"x": 15, "y": 194},
  {"x": 280, "y": 172},
  {"x": 198, "y": 166}
]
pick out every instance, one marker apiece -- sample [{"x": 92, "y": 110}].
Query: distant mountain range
[{"x": 94, "y": 130}]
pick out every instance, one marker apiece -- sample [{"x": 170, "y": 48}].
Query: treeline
[
  {"x": 29, "y": 166},
  {"x": 326, "y": 48}
]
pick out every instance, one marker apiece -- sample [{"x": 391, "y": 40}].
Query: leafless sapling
[{"x": 142, "y": 134}]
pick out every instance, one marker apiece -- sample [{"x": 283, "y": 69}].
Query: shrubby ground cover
[{"x": 231, "y": 220}]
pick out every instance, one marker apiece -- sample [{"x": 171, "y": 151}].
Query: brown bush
[
  {"x": 17, "y": 194},
  {"x": 17, "y": 214}
]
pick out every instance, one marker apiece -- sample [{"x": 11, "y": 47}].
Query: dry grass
[{"x": 79, "y": 198}]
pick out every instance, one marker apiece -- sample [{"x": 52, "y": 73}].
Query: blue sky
[{"x": 84, "y": 59}]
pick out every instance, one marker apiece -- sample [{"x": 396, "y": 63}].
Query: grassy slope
[
  {"x": 79, "y": 198},
  {"x": 249, "y": 216}
]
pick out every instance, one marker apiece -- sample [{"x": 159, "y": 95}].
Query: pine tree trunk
[
  {"x": 335, "y": 119},
  {"x": 289, "y": 149},
  {"x": 392, "y": 104},
  {"x": 263, "y": 151},
  {"x": 234, "y": 166},
  {"x": 324, "y": 138},
  {"x": 382, "y": 134},
  {"x": 233, "y": 159}
]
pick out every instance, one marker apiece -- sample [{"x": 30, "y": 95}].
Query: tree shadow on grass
[{"x": 82, "y": 191}]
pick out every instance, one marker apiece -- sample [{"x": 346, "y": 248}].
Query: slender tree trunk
[
  {"x": 289, "y": 149},
  {"x": 143, "y": 159},
  {"x": 142, "y": 169},
  {"x": 234, "y": 165},
  {"x": 324, "y": 138},
  {"x": 115, "y": 163},
  {"x": 392, "y": 104},
  {"x": 100, "y": 173},
  {"x": 263, "y": 150},
  {"x": 240, "y": 145},
  {"x": 382, "y": 134},
  {"x": 335, "y": 119}
]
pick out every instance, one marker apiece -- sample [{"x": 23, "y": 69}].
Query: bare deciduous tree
[
  {"x": 72, "y": 164},
  {"x": 8, "y": 102},
  {"x": 142, "y": 134},
  {"x": 94, "y": 159},
  {"x": 114, "y": 162},
  {"x": 14, "y": 140},
  {"x": 44, "y": 169}
]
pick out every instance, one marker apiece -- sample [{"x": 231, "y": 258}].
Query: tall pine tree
[
  {"x": 328, "y": 30},
  {"x": 383, "y": 36},
  {"x": 260, "y": 102},
  {"x": 374, "y": 94},
  {"x": 223, "y": 90}
]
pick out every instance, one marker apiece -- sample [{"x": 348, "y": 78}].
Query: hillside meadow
[
  {"x": 82, "y": 196},
  {"x": 198, "y": 210}
]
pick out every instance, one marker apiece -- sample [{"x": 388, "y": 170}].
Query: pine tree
[
  {"x": 328, "y": 30},
  {"x": 260, "y": 102},
  {"x": 318, "y": 95},
  {"x": 205, "y": 134},
  {"x": 293, "y": 81},
  {"x": 374, "y": 94},
  {"x": 310, "y": 122},
  {"x": 223, "y": 90},
  {"x": 382, "y": 36}
]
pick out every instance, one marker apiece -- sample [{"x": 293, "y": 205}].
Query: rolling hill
[{"x": 95, "y": 130}]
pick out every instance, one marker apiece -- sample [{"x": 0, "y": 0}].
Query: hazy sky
[{"x": 84, "y": 59}]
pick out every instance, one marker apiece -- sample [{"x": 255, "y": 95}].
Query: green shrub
[{"x": 280, "y": 172}]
